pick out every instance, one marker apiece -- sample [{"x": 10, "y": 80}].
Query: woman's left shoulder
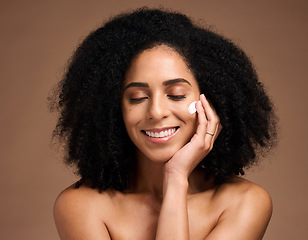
[
  {"x": 245, "y": 199},
  {"x": 243, "y": 206},
  {"x": 245, "y": 190}
]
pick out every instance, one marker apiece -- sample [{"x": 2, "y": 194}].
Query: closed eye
[
  {"x": 137, "y": 100},
  {"x": 176, "y": 97}
]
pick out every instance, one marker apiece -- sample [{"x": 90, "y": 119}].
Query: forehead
[{"x": 160, "y": 63}]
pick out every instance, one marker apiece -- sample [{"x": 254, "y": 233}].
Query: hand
[{"x": 188, "y": 157}]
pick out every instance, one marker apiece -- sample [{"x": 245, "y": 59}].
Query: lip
[{"x": 160, "y": 140}]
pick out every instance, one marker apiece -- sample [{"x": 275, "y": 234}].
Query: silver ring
[{"x": 212, "y": 134}]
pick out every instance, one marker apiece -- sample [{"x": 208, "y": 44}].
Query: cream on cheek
[
  {"x": 181, "y": 112},
  {"x": 192, "y": 107}
]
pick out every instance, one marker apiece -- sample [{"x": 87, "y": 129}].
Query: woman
[{"x": 149, "y": 168}]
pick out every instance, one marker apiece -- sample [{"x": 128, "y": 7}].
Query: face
[{"x": 157, "y": 91}]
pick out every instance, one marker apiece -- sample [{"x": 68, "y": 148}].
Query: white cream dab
[{"x": 192, "y": 108}]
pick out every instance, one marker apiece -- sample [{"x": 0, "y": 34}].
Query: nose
[{"x": 158, "y": 108}]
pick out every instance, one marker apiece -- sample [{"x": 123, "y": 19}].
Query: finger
[
  {"x": 209, "y": 110},
  {"x": 219, "y": 128},
  {"x": 212, "y": 129},
  {"x": 202, "y": 121}
]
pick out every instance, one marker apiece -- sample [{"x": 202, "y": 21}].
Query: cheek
[
  {"x": 182, "y": 113},
  {"x": 128, "y": 116},
  {"x": 129, "y": 122},
  {"x": 131, "y": 116}
]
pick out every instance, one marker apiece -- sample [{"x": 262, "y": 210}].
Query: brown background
[{"x": 37, "y": 38}]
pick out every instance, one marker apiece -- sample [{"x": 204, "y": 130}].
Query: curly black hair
[{"x": 89, "y": 96}]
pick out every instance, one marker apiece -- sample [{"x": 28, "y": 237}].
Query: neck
[{"x": 149, "y": 178}]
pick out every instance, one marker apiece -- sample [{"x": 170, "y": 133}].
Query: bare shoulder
[
  {"x": 80, "y": 199},
  {"x": 247, "y": 207},
  {"x": 242, "y": 192},
  {"x": 78, "y": 213}
]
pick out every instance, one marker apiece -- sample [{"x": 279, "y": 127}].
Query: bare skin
[{"x": 170, "y": 199}]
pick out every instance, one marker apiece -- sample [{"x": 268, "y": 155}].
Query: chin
[
  {"x": 161, "y": 159},
  {"x": 160, "y": 155}
]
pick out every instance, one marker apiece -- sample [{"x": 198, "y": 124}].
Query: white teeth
[{"x": 160, "y": 134}]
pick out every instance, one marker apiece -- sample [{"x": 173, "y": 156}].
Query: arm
[{"x": 173, "y": 218}]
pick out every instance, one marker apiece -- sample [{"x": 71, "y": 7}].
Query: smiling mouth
[{"x": 160, "y": 134}]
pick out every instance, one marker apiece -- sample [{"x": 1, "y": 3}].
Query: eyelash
[
  {"x": 173, "y": 97},
  {"x": 176, "y": 97},
  {"x": 137, "y": 100}
]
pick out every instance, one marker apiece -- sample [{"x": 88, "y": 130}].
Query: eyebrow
[
  {"x": 176, "y": 80},
  {"x": 137, "y": 84},
  {"x": 165, "y": 83}
]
